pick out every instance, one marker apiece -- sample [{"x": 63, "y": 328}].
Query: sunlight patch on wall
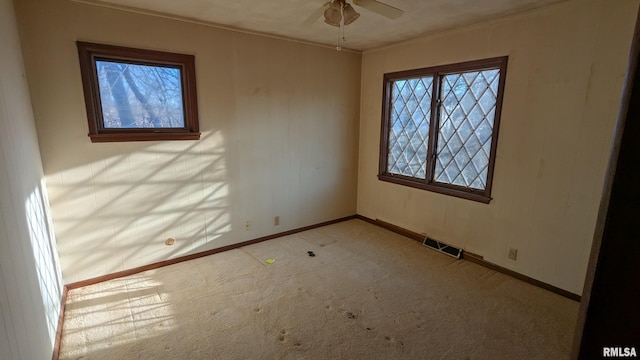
[
  {"x": 45, "y": 256},
  {"x": 116, "y": 213}
]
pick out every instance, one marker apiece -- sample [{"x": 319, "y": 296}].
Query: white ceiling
[{"x": 285, "y": 17}]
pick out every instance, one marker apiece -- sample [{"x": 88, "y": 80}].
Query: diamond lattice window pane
[
  {"x": 467, "y": 113},
  {"x": 409, "y": 127}
]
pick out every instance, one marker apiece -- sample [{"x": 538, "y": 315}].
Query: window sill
[
  {"x": 144, "y": 136},
  {"x": 450, "y": 190}
]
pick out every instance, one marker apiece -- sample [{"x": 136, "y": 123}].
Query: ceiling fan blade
[
  {"x": 316, "y": 14},
  {"x": 380, "y": 8}
]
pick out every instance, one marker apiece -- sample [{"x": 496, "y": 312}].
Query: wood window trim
[
  {"x": 483, "y": 196},
  {"x": 90, "y": 52}
]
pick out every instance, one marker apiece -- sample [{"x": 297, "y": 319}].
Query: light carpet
[{"x": 367, "y": 294}]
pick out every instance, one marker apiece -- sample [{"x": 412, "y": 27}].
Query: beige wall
[
  {"x": 280, "y": 138},
  {"x": 280, "y": 133},
  {"x": 566, "y": 68},
  {"x": 30, "y": 280}
]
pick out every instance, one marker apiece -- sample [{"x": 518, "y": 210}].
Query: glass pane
[
  {"x": 466, "y": 127},
  {"x": 140, "y": 96},
  {"x": 410, "y": 116}
]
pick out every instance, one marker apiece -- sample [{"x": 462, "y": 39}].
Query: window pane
[
  {"x": 410, "y": 116},
  {"x": 467, "y": 113},
  {"x": 140, "y": 96}
]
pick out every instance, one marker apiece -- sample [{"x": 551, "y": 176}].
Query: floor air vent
[{"x": 442, "y": 247}]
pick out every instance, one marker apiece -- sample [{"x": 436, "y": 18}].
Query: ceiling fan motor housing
[{"x": 340, "y": 12}]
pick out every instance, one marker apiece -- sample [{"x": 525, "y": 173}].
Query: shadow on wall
[{"x": 116, "y": 213}]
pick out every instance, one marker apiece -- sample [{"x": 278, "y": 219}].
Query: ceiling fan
[{"x": 340, "y": 12}]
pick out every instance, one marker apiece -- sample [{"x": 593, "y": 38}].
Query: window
[
  {"x": 440, "y": 127},
  {"x": 138, "y": 95}
]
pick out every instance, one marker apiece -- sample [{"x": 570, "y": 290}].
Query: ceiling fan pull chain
[
  {"x": 343, "y": 39},
  {"x": 340, "y": 29}
]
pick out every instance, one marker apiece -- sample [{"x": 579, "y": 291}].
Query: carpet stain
[
  {"x": 351, "y": 315},
  {"x": 376, "y": 294},
  {"x": 281, "y": 336}
]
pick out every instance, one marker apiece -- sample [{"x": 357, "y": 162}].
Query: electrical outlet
[
  {"x": 276, "y": 220},
  {"x": 247, "y": 225},
  {"x": 170, "y": 241},
  {"x": 513, "y": 254}
]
